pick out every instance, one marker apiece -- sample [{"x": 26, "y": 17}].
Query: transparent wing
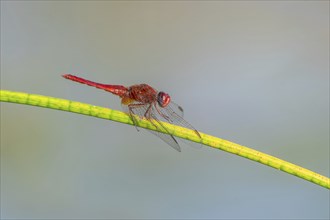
[
  {"x": 173, "y": 113},
  {"x": 143, "y": 111},
  {"x": 177, "y": 109}
]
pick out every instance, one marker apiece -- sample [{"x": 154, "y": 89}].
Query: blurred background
[{"x": 253, "y": 72}]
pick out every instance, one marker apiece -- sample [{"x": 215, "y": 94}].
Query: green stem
[{"x": 105, "y": 113}]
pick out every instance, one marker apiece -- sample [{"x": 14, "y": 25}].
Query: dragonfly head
[{"x": 163, "y": 99}]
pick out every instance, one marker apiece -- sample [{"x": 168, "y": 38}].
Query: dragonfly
[{"x": 146, "y": 102}]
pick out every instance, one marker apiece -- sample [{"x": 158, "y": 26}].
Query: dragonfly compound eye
[{"x": 163, "y": 99}]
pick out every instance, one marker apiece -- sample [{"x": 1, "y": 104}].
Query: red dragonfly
[{"x": 145, "y": 101}]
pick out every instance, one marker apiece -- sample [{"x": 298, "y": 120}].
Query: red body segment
[{"x": 119, "y": 90}]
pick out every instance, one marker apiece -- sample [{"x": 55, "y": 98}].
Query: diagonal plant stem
[{"x": 118, "y": 116}]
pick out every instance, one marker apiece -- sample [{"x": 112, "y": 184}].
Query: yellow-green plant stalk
[{"x": 118, "y": 116}]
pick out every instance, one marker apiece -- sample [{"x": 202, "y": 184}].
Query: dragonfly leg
[
  {"x": 161, "y": 114},
  {"x": 147, "y": 115},
  {"x": 131, "y": 112}
]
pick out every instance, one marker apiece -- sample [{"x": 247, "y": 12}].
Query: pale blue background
[{"x": 256, "y": 73}]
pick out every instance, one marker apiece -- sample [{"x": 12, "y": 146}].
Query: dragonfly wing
[
  {"x": 177, "y": 109},
  {"x": 141, "y": 110},
  {"x": 173, "y": 114},
  {"x": 169, "y": 139}
]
